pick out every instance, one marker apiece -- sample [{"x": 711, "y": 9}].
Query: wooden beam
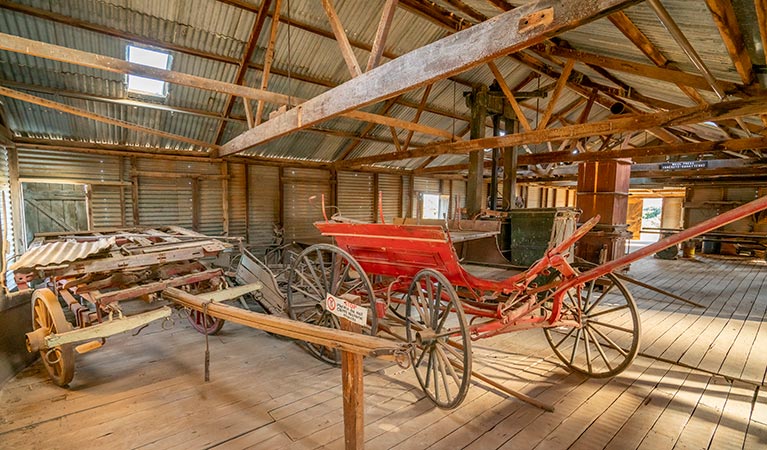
[
  {"x": 681, "y": 116},
  {"x": 643, "y": 43},
  {"x": 466, "y": 9},
  {"x": 417, "y": 117},
  {"x": 242, "y": 67},
  {"x": 121, "y": 34},
  {"x": 561, "y": 82},
  {"x": 343, "y": 41},
  {"x": 508, "y": 32},
  {"x": 502, "y": 5},
  {"x": 382, "y": 33},
  {"x": 78, "y": 57},
  {"x": 268, "y": 58},
  {"x": 366, "y": 130},
  {"x": 509, "y": 96},
  {"x": 63, "y": 54},
  {"x": 566, "y": 156},
  {"x": 99, "y": 118},
  {"x": 643, "y": 70},
  {"x": 727, "y": 22}
]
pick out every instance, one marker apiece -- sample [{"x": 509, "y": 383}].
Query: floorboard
[{"x": 699, "y": 383}]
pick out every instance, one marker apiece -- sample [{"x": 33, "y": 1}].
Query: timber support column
[
  {"x": 603, "y": 188},
  {"x": 511, "y": 126},
  {"x": 477, "y": 101}
]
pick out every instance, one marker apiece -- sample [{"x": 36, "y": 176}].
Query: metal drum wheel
[
  {"x": 437, "y": 330},
  {"x": 203, "y": 323},
  {"x": 48, "y": 314},
  {"x": 317, "y": 272},
  {"x": 608, "y": 340}
]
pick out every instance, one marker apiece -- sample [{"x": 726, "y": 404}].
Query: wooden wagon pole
[{"x": 350, "y": 341}]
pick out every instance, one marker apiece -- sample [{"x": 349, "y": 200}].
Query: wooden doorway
[{"x": 54, "y": 207}]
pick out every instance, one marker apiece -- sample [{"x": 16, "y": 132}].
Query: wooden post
[
  {"x": 510, "y": 168},
  {"x": 121, "y": 159},
  {"x": 474, "y": 199},
  {"x": 196, "y": 204},
  {"x": 281, "y": 193},
  {"x": 134, "y": 192},
  {"x": 376, "y": 199},
  {"x": 353, "y": 389}
]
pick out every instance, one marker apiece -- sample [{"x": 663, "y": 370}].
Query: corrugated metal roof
[
  {"x": 54, "y": 253},
  {"x": 222, "y": 29}
]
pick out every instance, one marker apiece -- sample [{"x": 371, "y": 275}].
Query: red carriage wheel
[
  {"x": 437, "y": 330},
  {"x": 203, "y": 323}
]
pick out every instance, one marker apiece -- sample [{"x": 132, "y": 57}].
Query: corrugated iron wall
[
  {"x": 392, "y": 200},
  {"x": 355, "y": 195},
  {"x": 264, "y": 203},
  {"x": 299, "y": 212},
  {"x": 237, "y": 199}
]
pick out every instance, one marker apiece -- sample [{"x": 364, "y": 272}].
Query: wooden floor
[{"x": 148, "y": 391}]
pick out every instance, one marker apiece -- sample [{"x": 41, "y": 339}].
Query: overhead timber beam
[
  {"x": 643, "y": 70},
  {"x": 505, "y": 33},
  {"x": 68, "y": 55},
  {"x": 725, "y": 19},
  {"x": 633, "y": 153},
  {"x": 242, "y": 67},
  {"x": 681, "y": 116},
  {"x": 141, "y": 39},
  {"x": 4, "y": 91}
]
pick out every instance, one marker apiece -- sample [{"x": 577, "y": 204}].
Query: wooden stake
[{"x": 353, "y": 391}]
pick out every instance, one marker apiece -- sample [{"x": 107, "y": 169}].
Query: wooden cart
[{"x": 414, "y": 289}]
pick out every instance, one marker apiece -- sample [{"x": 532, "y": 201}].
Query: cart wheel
[
  {"x": 202, "y": 322},
  {"x": 48, "y": 314},
  {"x": 320, "y": 270},
  {"x": 437, "y": 330},
  {"x": 608, "y": 340}
]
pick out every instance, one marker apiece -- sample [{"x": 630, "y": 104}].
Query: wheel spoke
[
  {"x": 613, "y": 345},
  {"x": 575, "y": 345},
  {"x": 609, "y": 325},
  {"x": 569, "y": 333},
  {"x": 603, "y": 295},
  {"x": 599, "y": 349},
  {"x": 608, "y": 311},
  {"x": 449, "y": 365}
]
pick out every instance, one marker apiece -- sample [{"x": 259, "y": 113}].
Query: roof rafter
[
  {"x": 432, "y": 62},
  {"x": 725, "y": 19},
  {"x": 697, "y": 114},
  {"x": 242, "y": 67}
]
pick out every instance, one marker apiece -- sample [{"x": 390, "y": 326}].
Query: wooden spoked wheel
[
  {"x": 203, "y": 323},
  {"x": 48, "y": 314},
  {"x": 438, "y": 333},
  {"x": 317, "y": 272},
  {"x": 608, "y": 339}
]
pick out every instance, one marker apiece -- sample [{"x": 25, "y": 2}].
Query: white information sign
[{"x": 347, "y": 310}]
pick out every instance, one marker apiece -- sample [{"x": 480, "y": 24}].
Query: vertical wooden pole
[
  {"x": 353, "y": 390},
  {"x": 474, "y": 200},
  {"x": 196, "y": 204},
  {"x": 122, "y": 191},
  {"x": 134, "y": 192},
  {"x": 510, "y": 167},
  {"x": 17, "y": 203}
]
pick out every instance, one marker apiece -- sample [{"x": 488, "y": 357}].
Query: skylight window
[{"x": 142, "y": 85}]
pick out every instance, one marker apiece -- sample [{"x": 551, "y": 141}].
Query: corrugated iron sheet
[{"x": 55, "y": 253}]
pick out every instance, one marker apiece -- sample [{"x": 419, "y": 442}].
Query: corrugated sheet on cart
[{"x": 61, "y": 252}]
